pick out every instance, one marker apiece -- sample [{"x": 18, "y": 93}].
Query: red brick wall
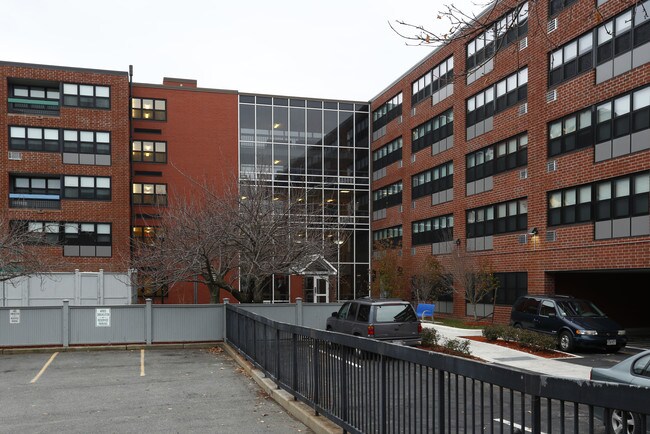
[
  {"x": 575, "y": 248},
  {"x": 114, "y": 120},
  {"x": 201, "y": 134}
]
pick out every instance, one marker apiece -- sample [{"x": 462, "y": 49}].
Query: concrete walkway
[{"x": 518, "y": 359}]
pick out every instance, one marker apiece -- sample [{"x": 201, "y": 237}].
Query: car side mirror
[{"x": 335, "y": 314}]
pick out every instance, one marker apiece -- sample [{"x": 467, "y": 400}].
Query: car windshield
[
  {"x": 578, "y": 308},
  {"x": 395, "y": 313}
]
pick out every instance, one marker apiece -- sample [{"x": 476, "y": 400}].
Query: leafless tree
[
  {"x": 473, "y": 277},
  {"x": 431, "y": 281},
  {"x": 22, "y": 251},
  {"x": 386, "y": 269},
  {"x": 235, "y": 238}
]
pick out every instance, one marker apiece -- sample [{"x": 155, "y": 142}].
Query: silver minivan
[{"x": 384, "y": 319}]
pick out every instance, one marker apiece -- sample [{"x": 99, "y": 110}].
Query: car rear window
[{"x": 395, "y": 313}]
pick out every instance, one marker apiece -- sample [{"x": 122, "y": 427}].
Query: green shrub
[
  {"x": 493, "y": 332},
  {"x": 430, "y": 337},
  {"x": 460, "y": 346},
  {"x": 537, "y": 341}
]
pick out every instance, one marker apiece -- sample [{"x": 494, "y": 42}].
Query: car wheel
[
  {"x": 517, "y": 325},
  {"x": 565, "y": 341},
  {"x": 624, "y": 422}
]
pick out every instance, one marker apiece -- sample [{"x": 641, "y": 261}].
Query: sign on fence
[
  {"x": 14, "y": 316},
  {"x": 103, "y": 317}
]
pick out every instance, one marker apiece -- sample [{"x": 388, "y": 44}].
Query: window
[
  {"x": 387, "y": 154},
  {"x": 622, "y": 197},
  {"x": 86, "y": 239},
  {"x": 388, "y": 196},
  {"x": 434, "y": 80},
  {"x": 149, "y": 109},
  {"x": 34, "y": 139},
  {"x": 605, "y": 200},
  {"x": 571, "y": 205},
  {"x": 498, "y": 97},
  {"x": 641, "y": 366},
  {"x": 555, "y": 6},
  {"x": 626, "y": 31},
  {"x": 393, "y": 235},
  {"x": 501, "y": 33},
  {"x": 387, "y": 112},
  {"x": 571, "y": 132},
  {"x": 149, "y": 151},
  {"x": 34, "y": 99},
  {"x": 144, "y": 234},
  {"x": 87, "y": 142},
  {"x": 498, "y": 158},
  {"x": 430, "y": 181},
  {"x": 432, "y": 131},
  {"x": 511, "y": 287},
  {"x": 432, "y": 230},
  {"x": 149, "y": 194},
  {"x": 571, "y": 59},
  {"x": 626, "y": 114},
  {"x": 86, "y": 95},
  {"x": 87, "y": 187},
  {"x": 44, "y": 232},
  {"x": 36, "y": 186},
  {"x": 501, "y": 218}
]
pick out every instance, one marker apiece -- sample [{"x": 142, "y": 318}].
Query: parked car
[
  {"x": 634, "y": 370},
  {"x": 384, "y": 319},
  {"x": 574, "y": 322}
]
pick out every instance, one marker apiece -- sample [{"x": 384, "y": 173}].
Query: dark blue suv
[{"x": 574, "y": 322}]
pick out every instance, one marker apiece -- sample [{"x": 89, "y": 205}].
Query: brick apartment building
[
  {"x": 65, "y": 172},
  {"x": 525, "y": 143},
  {"x": 536, "y": 158}
]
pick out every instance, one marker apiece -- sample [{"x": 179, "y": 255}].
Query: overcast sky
[{"x": 341, "y": 49}]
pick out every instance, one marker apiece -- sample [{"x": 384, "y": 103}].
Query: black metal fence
[{"x": 367, "y": 386}]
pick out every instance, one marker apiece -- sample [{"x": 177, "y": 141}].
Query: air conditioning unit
[
  {"x": 522, "y": 238},
  {"x": 523, "y": 174},
  {"x": 412, "y": 158},
  {"x": 551, "y": 166},
  {"x": 552, "y": 25},
  {"x": 400, "y": 119},
  {"x": 551, "y": 235},
  {"x": 13, "y": 155},
  {"x": 551, "y": 95},
  {"x": 413, "y": 111},
  {"x": 523, "y": 109},
  {"x": 523, "y": 43}
]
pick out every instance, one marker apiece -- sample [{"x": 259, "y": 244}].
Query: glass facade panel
[{"x": 319, "y": 155}]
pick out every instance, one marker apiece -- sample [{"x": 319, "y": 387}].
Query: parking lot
[{"x": 158, "y": 390}]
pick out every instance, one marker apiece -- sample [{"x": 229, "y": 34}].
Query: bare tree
[
  {"x": 233, "y": 239},
  {"x": 431, "y": 281},
  {"x": 387, "y": 274},
  {"x": 21, "y": 250},
  {"x": 474, "y": 277}
]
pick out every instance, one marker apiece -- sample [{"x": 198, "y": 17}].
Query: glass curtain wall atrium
[{"x": 317, "y": 153}]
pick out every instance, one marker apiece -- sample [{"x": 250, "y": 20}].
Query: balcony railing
[
  {"x": 35, "y": 201},
  {"x": 33, "y": 106}
]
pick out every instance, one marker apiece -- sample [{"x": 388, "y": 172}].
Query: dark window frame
[
  {"x": 86, "y": 101},
  {"x": 427, "y": 135},
  {"x": 157, "y": 157},
  {"x": 493, "y": 161},
  {"x": 80, "y": 192},
  {"x": 152, "y": 199},
  {"x": 425, "y": 90},
  {"x": 497, "y": 103},
  {"x": 432, "y": 230},
  {"x": 487, "y": 220},
  {"x": 388, "y": 111},
  {"x": 433, "y": 184},
  {"x": 389, "y": 157},
  {"x": 383, "y": 197},
  {"x": 138, "y": 113},
  {"x": 28, "y": 144}
]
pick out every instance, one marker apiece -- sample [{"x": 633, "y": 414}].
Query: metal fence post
[
  {"x": 294, "y": 386},
  {"x": 148, "y": 321},
  {"x": 441, "y": 400},
  {"x": 65, "y": 320},
  {"x": 299, "y": 313},
  {"x": 383, "y": 395},
  {"x": 315, "y": 378},
  {"x": 277, "y": 356},
  {"x": 225, "y": 322},
  {"x": 536, "y": 407}
]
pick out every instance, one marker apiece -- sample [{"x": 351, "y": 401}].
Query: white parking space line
[
  {"x": 142, "y": 362},
  {"x": 35, "y": 379},
  {"x": 516, "y": 425}
]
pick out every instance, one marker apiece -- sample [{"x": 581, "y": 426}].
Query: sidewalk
[{"x": 505, "y": 356}]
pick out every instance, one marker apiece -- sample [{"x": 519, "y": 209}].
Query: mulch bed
[{"x": 518, "y": 347}]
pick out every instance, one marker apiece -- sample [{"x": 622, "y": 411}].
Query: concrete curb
[
  {"x": 122, "y": 347},
  {"x": 299, "y": 410}
]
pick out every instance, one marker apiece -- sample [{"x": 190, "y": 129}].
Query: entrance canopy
[{"x": 315, "y": 265}]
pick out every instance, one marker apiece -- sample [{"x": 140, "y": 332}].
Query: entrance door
[{"x": 321, "y": 290}]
